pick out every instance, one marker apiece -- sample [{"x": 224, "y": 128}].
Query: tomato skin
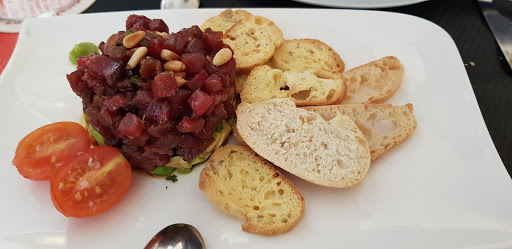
[
  {"x": 91, "y": 183},
  {"x": 40, "y": 151}
]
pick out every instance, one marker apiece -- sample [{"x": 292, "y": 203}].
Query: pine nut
[
  {"x": 131, "y": 52},
  {"x": 162, "y": 34},
  {"x": 175, "y": 66},
  {"x": 136, "y": 57},
  {"x": 181, "y": 74},
  {"x": 133, "y": 39},
  {"x": 180, "y": 81},
  {"x": 78, "y": 196},
  {"x": 223, "y": 56},
  {"x": 168, "y": 55}
]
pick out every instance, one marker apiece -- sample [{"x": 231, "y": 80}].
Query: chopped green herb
[
  {"x": 163, "y": 171},
  {"x": 148, "y": 57},
  {"x": 220, "y": 127},
  {"x": 155, "y": 35},
  {"x": 144, "y": 43},
  {"x": 128, "y": 32},
  {"x": 162, "y": 87},
  {"x": 138, "y": 91},
  {"x": 134, "y": 79},
  {"x": 172, "y": 178}
]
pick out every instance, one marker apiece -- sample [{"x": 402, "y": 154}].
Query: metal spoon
[{"x": 177, "y": 236}]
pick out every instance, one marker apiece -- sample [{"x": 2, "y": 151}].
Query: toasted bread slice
[
  {"x": 225, "y": 20},
  {"x": 263, "y": 83},
  {"x": 237, "y": 136},
  {"x": 333, "y": 154},
  {"x": 245, "y": 185},
  {"x": 383, "y": 125},
  {"x": 240, "y": 79},
  {"x": 253, "y": 41},
  {"x": 299, "y": 55},
  {"x": 320, "y": 87},
  {"x": 306, "y": 54},
  {"x": 374, "y": 82}
]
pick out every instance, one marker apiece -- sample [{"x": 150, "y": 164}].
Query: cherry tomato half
[
  {"x": 91, "y": 183},
  {"x": 50, "y": 145}
]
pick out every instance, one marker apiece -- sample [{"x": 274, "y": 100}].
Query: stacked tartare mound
[{"x": 170, "y": 104}]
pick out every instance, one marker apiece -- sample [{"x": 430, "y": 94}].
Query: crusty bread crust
[
  {"x": 374, "y": 82},
  {"x": 243, "y": 184},
  {"x": 306, "y": 54},
  {"x": 333, "y": 154},
  {"x": 383, "y": 125}
]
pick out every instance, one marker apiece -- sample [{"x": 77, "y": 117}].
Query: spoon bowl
[{"x": 182, "y": 236}]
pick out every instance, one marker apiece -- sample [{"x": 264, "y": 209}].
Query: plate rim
[
  {"x": 357, "y": 4},
  {"x": 473, "y": 98}
]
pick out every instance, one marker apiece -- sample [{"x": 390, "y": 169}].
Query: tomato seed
[
  {"x": 98, "y": 190},
  {"x": 78, "y": 196}
]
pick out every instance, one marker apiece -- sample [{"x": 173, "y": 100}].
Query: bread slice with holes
[
  {"x": 383, "y": 125},
  {"x": 253, "y": 41},
  {"x": 225, "y": 20},
  {"x": 306, "y": 54},
  {"x": 240, "y": 79},
  {"x": 245, "y": 185},
  {"x": 306, "y": 87},
  {"x": 374, "y": 82},
  {"x": 298, "y": 55},
  {"x": 333, "y": 154}
]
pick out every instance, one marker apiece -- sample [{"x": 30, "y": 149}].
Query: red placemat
[{"x": 7, "y": 44}]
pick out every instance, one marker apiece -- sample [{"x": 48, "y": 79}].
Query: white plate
[
  {"x": 361, "y": 3},
  {"x": 444, "y": 187}
]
